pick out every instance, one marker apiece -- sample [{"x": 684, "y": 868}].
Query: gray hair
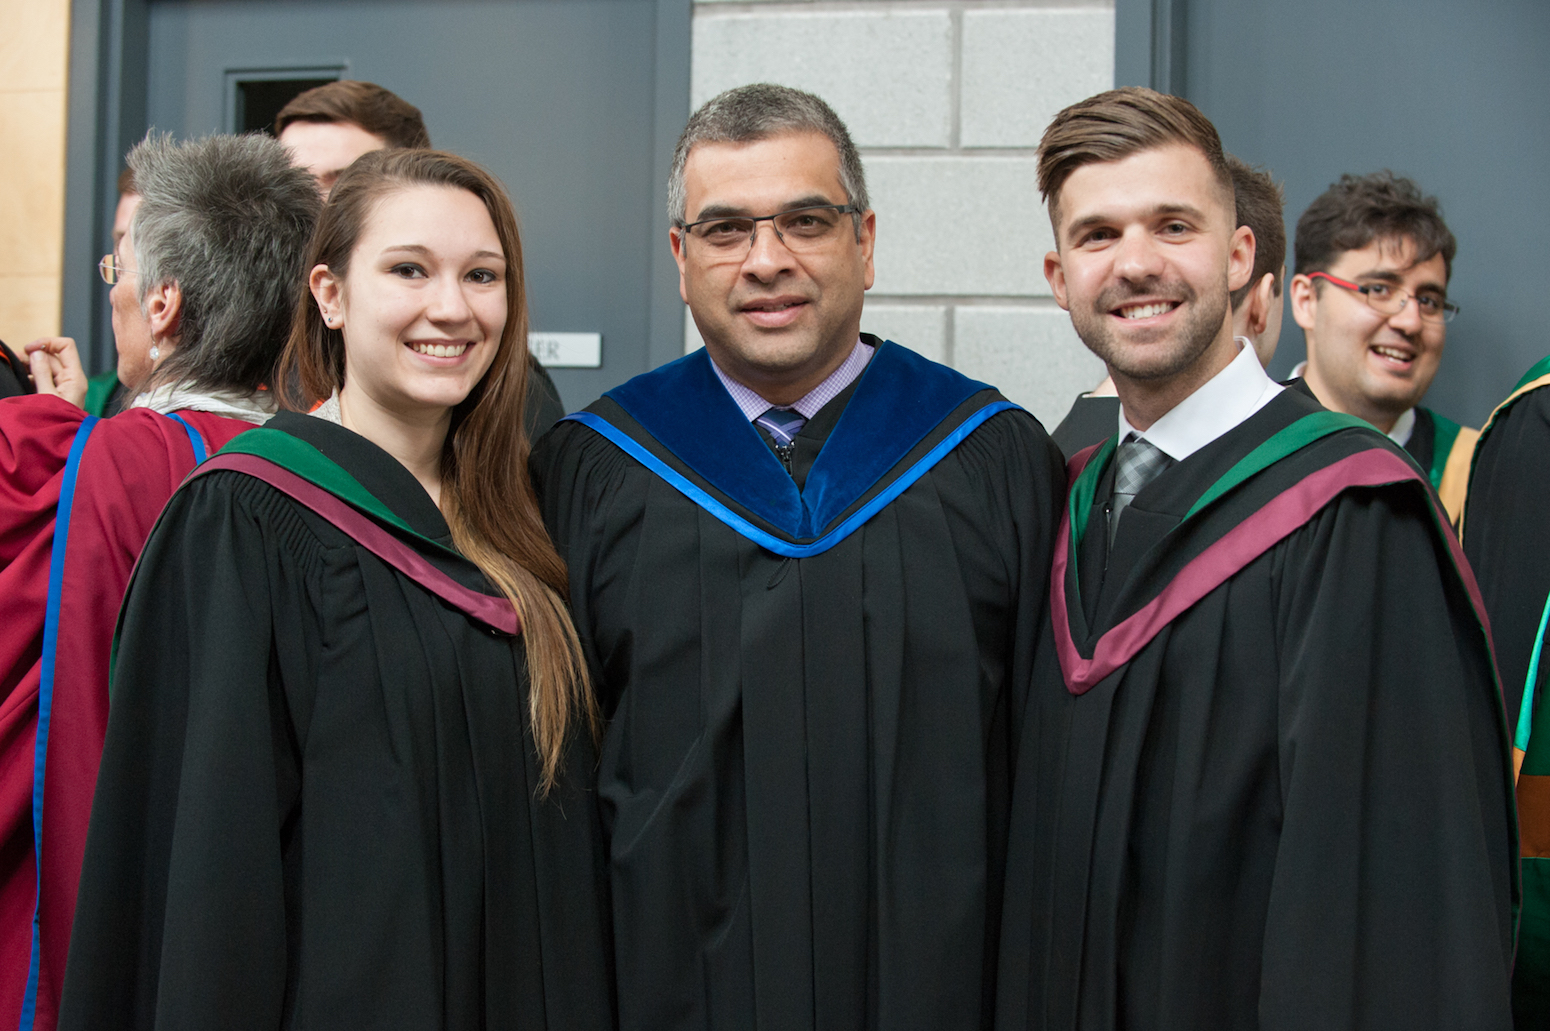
[
  {"x": 228, "y": 219},
  {"x": 758, "y": 112}
]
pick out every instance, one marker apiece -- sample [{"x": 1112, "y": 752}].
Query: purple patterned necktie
[{"x": 783, "y": 425}]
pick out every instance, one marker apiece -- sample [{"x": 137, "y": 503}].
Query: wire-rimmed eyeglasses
[
  {"x": 802, "y": 230},
  {"x": 111, "y": 270}
]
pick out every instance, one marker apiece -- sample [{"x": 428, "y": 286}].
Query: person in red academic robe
[{"x": 204, "y": 286}]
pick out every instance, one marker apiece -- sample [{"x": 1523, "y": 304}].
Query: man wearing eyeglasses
[
  {"x": 1371, "y": 294},
  {"x": 809, "y": 570}
]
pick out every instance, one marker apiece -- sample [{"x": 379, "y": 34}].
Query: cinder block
[
  {"x": 961, "y": 226},
  {"x": 1021, "y": 67},
  {"x": 887, "y": 73},
  {"x": 920, "y": 327},
  {"x": 692, "y": 339},
  {"x": 1032, "y": 354}
]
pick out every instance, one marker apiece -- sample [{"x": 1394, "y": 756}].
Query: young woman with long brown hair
[{"x": 346, "y": 781}]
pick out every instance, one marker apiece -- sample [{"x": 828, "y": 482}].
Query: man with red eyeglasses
[{"x": 1371, "y": 294}]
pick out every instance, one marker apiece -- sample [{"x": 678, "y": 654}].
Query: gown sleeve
[
  {"x": 578, "y": 475},
  {"x": 1394, "y": 884},
  {"x": 181, "y": 916}
]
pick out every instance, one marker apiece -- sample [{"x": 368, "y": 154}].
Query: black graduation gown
[
  {"x": 317, "y": 802},
  {"x": 805, "y": 777},
  {"x": 14, "y": 377},
  {"x": 1292, "y": 806},
  {"x": 1505, "y": 538},
  {"x": 1091, "y": 420},
  {"x": 1505, "y": 532},
  {"x": 543, "y": 407}
]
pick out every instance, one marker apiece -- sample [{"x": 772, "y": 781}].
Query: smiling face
[
  {"x": 327, "y": 148},
  {"x": 1361, "y": 361},
  {"x": 422, "y": 305},
  {"x": 1148, "y": 254},
  {"x": 776, "y": 321}
]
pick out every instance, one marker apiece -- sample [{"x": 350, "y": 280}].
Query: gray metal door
[
  {"x": 1452, "y": 94},
  {"x": 574, "y": 104}
]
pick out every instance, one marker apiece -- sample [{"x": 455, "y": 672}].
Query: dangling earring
[{"x": 155, "y": 353}]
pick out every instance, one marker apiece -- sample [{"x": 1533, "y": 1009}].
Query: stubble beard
[{"x": 1153, "y": 360}]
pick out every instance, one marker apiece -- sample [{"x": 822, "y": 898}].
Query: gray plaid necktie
[{"x": 1137, "y": 463}]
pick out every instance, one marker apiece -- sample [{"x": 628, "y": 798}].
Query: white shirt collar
[
  {"x": 256, "y": 408},
  {"x": 1403, "y": 427},
  {"x": 1219, "y": 405}
]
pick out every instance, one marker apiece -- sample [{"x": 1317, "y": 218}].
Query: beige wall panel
[
  {"x": 32, "y": 181},
  {"x": 29, "y": 308},
  {"x": 34, "y": 44},
  {"x": 34, "y": 72}
]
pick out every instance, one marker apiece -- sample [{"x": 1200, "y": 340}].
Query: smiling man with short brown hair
[{"x": 1264, "y": 782}]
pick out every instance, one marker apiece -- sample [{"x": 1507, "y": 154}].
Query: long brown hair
[{"x": 486, "y": 494}]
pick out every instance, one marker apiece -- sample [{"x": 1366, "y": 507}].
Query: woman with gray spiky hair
[{"x": 204, "y": 285}]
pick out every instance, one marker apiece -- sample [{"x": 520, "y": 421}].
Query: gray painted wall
[
  {"x": 1455, "y": 95},
  {"x": 574, "y": 104}
]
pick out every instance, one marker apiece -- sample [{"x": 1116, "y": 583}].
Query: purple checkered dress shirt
[{"x": 753, "y": 406}]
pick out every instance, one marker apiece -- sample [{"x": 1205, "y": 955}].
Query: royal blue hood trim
[{"x": 900, "y": 399}]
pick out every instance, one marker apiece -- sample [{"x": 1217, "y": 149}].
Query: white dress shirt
[{"x": 1219, "y": 405}]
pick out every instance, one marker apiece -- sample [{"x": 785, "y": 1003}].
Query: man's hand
[{"x": 56, "y": 369}]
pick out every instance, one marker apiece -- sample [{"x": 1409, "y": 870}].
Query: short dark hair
[
  {"x": 757, "y": 112},
  {"x": 1118, "y": 123},
  {"x": 227, "y": 218},
  {"x": 379, "y": 111},
  {"x": 1259, "y": 201},
  {"x": 1359, "y": 209}
]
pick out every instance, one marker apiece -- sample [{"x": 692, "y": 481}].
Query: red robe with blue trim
[{"x": 130, "y": 466}]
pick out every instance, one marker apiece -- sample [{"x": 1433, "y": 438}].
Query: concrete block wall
[{"x": 947, "y": 100}]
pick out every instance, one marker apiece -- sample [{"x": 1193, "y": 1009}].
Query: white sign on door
[{"x": 567, "y": 350}]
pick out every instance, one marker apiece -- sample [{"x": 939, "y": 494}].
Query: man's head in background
[
  {"x": 328, "y": 127},
  {"x": 128, "y": 200},
  {"x": 1373, "y": 260},
  {"x": 1257, "y": 305}
]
